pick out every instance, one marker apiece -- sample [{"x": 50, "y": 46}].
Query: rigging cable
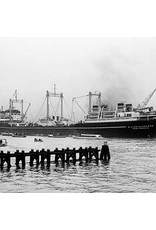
[
  {"x": 57, "y": 106},
  {"x": 80, "y": 107},
  {"x": 68, "y": 108},
  {"x": 52, "y": 108},
  {"x": 40, "y": 110}
]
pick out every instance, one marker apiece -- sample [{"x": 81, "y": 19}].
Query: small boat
[
  {"x": 18, "y": 135},
  {"x": 6, "y": 134},
  {"x": 58, "y": 135},
  {"x": 38, "y": 140},
  {"x": 88, "y": 136},
  {"x": 3, "y": 142}
]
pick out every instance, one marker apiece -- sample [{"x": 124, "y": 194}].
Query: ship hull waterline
[{"x": 128, "y": 129}]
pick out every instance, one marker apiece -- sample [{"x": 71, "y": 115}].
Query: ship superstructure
[
  {"x": 122, "y": 121},
  {"x": 12, "y": 115},
  {"x": 54, "y": 119}
]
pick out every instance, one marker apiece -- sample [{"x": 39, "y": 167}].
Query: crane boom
[
  {"x": 26, "y": 111},
  {"x": 145, "y": 102}
]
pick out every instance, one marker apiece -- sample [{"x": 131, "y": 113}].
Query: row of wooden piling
[{"x": 44, "y": 156}]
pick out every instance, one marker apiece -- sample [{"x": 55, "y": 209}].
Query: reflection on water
[{"x": 131, "y": 168}]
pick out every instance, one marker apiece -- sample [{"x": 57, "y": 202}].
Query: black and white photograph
[{"x": 77, "y": 115}]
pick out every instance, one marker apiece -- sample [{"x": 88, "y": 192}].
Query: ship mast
[
  {"x": 90, "y": 100},
  {"x": 11, "y": 103},
  {"x": 54, "y": 94}
]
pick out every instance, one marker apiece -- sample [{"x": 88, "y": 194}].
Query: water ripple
[{"x": 131, "y": 169}]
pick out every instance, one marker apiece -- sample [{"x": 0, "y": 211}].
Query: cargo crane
[
  {"x": 90, "y": 102},
  {"x": 143, "y": 105},
  {"x": 24, "y": 116}
]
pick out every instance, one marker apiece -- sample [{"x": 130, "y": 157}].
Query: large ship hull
[{"x": 126, "y": 129}]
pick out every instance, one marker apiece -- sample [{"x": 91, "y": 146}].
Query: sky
[{"x": 122, "y": 69}]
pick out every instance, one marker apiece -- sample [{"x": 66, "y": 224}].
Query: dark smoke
[{"x": 117, "y": 79}]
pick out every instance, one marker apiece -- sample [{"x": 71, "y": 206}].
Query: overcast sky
[{"x": 122, "y": 69}]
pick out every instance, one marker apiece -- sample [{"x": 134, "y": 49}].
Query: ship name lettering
[{"x": 140, "y": 127}]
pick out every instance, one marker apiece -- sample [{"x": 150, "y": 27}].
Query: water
[{"x": 131, "y": 168}]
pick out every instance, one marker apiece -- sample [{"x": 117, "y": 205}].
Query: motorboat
[{"x": 88, "y": 136}]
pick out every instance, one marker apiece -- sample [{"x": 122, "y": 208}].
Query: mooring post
[
  {"x": 23, "y": 158},
  {"x": 31, "y": 152},
  {"x": 8, "y": 159},
  {"x": 36, "y": 156},
  {"x": 56, "y": 155},
  {"x": 42, "y": 157},
  {"x": 67, "y": 155},
  {"x": 1, "y": 158},
  {"x": 74, "y": 155},
  {"x": 86, "y": 154},
  {"x": 2, "y": 163},
  {"x": 63, "y": 155},
  {"x": 96, "y": 153},
  {"x": 48, "y": 157},
  {"x": 90, "y": 153},
  {"x": 80, "y": 153},
  {"x": 17, "y": 158}
]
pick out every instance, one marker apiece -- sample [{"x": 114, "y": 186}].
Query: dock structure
[{"x": 45, "y": 157}]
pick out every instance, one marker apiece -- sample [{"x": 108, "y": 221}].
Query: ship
[{"x": 123, "y": 121}]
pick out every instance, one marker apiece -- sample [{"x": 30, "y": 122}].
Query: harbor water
[{"x": 130, "y": 170}]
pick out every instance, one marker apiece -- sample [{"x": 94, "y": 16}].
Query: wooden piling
[
  {"x": 1, "y": 159},
  {"x": 42, "y": 157},
  {"x": 45, "y": 155},
  {"x": 23, "y": 158},
  {"x": 48, "y": 157},
  {"x": 65, "y": 155},
  {"x": 20, "y": 156},
  {"x": 8, "y": 159},
  {"x": 36, "y": 157},
  {"x": 31, "y": 152},
  {"x": 17, "y": 158},
  {"x": 93, "y": 152},
  {"x": 83, "y": 153},
  {"x": 59, "y": 154},
  {"x": 71, "y": 154}
]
